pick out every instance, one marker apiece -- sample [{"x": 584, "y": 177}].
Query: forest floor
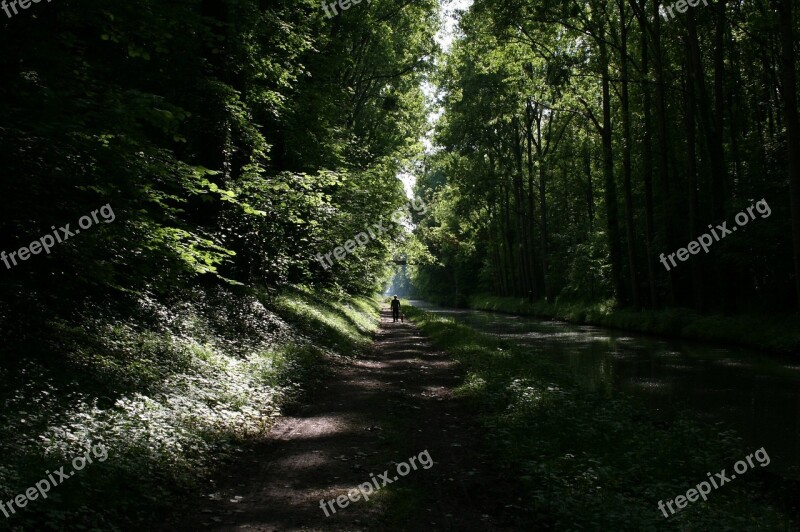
[{"x": 377, "y": 410}]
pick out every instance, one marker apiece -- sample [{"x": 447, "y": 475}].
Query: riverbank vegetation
[
  {"x": 780, "y": 334},
  {"x": 597, "y": 460}
]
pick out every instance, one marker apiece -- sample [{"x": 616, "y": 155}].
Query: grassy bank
[
  {"x": 170, "y": 392},
  {"x": 600, "y": 463},
  {"x": 772, "y": 333}
]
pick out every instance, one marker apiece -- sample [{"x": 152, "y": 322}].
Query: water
[{"x": 757, "y": 394}]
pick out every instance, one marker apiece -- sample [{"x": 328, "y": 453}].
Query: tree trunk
[
  {"x": 630, "y": 229},
  {"x": 610, "y": 186},
  {"x": 715, "y": 149},
  {"x": 663, "y": 143},
  {"x": 785, "y": 22},
  {"x": 587, "y": 161},
  {"x": 538, "y": 113},
  {"x": 543, "y": 232},
  {"x": 647, "y": 164},
  {"x": 519, "y": 211},
  {"x": 508, "y": 239},
  {"x": 531, "y": 201},
  {"x": 691, "y": 172}
]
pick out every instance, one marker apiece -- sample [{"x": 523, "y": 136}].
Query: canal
[{"x": 757, "y": 394}]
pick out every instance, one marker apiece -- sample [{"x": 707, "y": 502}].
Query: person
[{"x": 395, "y": 309}]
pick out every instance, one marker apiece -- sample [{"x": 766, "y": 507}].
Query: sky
[
  {"x": 449, "y": 21},
  {"x": 447, "y": 10},
  {"x": 448, "y": 14}
]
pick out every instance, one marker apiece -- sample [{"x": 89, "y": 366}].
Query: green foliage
[
  {"x": 234, "y": 141},
  {"x": 550, "y": 186}
]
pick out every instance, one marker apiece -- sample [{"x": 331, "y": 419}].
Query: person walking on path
[{"x": 395, "y": 309}]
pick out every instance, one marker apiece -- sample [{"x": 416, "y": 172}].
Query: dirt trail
[{"x": 378, "y": 410}]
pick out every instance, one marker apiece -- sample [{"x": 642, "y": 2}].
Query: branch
[{"x": 591, "y": 115}]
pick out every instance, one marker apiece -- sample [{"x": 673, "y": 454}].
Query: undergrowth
[{"x": 170, "y": 392}]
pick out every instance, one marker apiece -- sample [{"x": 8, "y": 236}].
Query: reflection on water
[{"x": 756, "y": 393}]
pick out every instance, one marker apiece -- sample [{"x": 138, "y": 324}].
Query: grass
[
  {"x": 169, "y": 400},
  {"x": 779, "y": 333},
  {"x": 593, "y": 461}
]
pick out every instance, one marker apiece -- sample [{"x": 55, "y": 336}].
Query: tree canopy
[
  {"x": 580, "y": 141},
  {"x": 233, "y": 139}
]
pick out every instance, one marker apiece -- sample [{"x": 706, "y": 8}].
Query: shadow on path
[{"x": 377, "y": 410}]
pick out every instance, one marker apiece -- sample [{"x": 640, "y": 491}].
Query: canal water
[{"x": 757, "y": 394}]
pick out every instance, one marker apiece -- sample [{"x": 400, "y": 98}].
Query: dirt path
[{"x": 378, "y": 410}]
